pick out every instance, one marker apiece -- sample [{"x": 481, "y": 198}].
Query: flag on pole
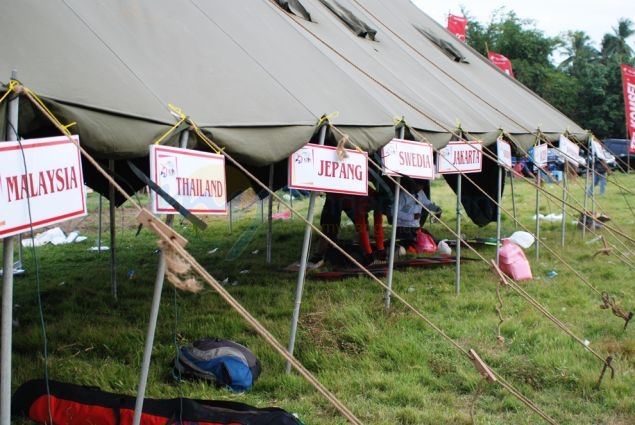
[
  {"x": 457, "y": 25},
  {"x": 628, "y": 80},
  {"x": 502, "y": 62}
]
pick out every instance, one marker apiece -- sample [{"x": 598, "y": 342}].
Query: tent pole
[
  {"x": 231, "y": 218},
  {"x": 270, "y": 218},
  {"x": 538, "y": 182},
  {"x": 458, "y": 232},
  {"x": 7, "y": 286},
  {"x": 7, "y": 329},
  {"x": 498, "y": 213},
  {"x": 303, "y": 261},
  {"x": 99, "y": 225},
  {"x": 393, "y": 230},
  {"x": 511, "y": 182},
  {"x": 564, "y": 200},
  {"x": 586, "y": 186},
  {"x": 147, "y": 351},
  {"x": 154, "y": 314},
  {"x": 393, "y": 240},
  {"x": 113, "y": 258}
]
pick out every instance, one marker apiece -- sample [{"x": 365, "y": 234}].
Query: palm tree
[
  {"x": 578, "y": 48},
  {"x": 615, "y": 46}
]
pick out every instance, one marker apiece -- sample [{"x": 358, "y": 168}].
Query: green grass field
[{"x": 402, "y": 364}]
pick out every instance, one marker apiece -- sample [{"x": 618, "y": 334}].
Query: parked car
[
  {"x": 619, "y": 149},
  {"x": 604, "y": 154}
]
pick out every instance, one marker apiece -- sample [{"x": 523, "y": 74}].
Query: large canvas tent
[{"x": 256, "y": 76}]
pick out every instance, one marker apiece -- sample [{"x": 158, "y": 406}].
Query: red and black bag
[{"x": 58, "y": 403}]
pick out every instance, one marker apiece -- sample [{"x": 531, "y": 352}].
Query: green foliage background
[
  {"x": 387, "y": 365},
  {"x": 580, "y": 79}
]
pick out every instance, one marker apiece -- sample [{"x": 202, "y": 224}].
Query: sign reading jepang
[
  {"x": 41, "y": 183},
  {"x": 195, "y": 179},
  {"x": 320, "y": 168},
  {"x": 405, "y": 157},
  {"x": 460, "y": 157}
]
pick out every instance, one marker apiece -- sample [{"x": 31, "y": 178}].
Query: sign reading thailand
[
  {"x": 570, "y": 150},
  {"x": 460, "y": 157},
  {"x": 325, "y": 168},
  {"x": 504, "y": 151},
  {"x": 193, "y": 178},
  {"x": 41, "y": 183},
  {"x": 540, "y": 155},
  {"x": 405, "y": 157}
]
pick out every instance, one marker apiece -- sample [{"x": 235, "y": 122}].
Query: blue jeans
[{"x": 597, "y": 179}]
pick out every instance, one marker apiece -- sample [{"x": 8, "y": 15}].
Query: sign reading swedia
[
  {"x": 460, "y": 157},
  {"x": 405, "y": 157},
  {"x": 195, "y": 179},
  {"x": 41, "y": 183},
  {"x": 321, "y": 168}
]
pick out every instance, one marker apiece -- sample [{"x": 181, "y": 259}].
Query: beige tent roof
[{"x": 256, "y": 76}]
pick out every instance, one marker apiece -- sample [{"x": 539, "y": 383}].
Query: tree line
[{"x": 586, "y": 82}]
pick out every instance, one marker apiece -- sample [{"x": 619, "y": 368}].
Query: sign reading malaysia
[
  {"x": 41, "y": 183},
  {"x": 195, "y": 179},
  {"x": 460, "y": 157},
  {"x": 322, "y": 168},
  {"x": 405, "y": 157},
  {"x": 504, "y": 153}
]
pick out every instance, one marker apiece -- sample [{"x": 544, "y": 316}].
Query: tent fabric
[{"x": 257, "y": 75}]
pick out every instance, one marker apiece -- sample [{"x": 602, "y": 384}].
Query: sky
[{"x": 552, "y": 17}]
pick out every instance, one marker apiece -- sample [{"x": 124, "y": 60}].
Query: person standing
[
  {"x": 357, "y": 208},
  {"x": 599, "y": 177}
]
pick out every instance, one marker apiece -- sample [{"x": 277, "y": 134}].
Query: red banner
[
  {"x": 502, "y": 62},
  {"x": 628, "y": 80},
  {"x": 457, "y": 25}
]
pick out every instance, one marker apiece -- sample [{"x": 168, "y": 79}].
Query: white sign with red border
[
  {"x": 41, "y": 183},
  {"x": 319, "y": 168},
  {"x": 540, "y": 155},
  {"x": 460, "y": 157},
  {"x": 405, "y": 157},
  {"x": 195, "y": 179},
  {"x": 504, "y": 151}
]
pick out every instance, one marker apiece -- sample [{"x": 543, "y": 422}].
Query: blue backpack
[{"x": 224, "y": 362}]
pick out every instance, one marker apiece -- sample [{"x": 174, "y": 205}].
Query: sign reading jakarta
[
  {"x": 460, "y": 157},
  {"x": 405, "y": 157},
  {"x": 195, "y": 179},
  {"x": 325, "y": 168},
  {"x": 41, "y": 183}
]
